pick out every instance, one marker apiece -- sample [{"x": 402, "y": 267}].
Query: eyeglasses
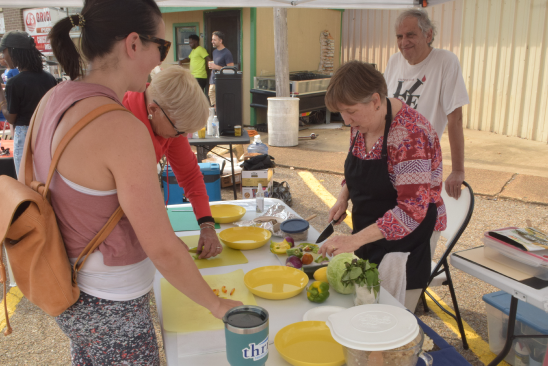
[
  {"x": 175, "y": 128},
  {"x": 163, "y": 45}
]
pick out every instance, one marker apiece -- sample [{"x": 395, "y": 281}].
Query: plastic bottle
[
  {"x": 209, "y": 127},
  {"x": 215, "y": 127},
  {"x": 259, "y": 199},
  {"x": 257, "y": 146}
]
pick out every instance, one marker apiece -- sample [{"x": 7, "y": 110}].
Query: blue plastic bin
[
  {"x": 530, "y": 320},
  {"x": 212, "y": 178}
]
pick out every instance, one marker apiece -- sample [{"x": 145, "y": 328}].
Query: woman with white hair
[{"x": 170, "y": 107}]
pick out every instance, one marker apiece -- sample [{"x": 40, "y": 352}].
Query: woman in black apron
[{"x": 368, "y": 183}]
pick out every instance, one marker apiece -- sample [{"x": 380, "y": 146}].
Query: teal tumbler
[{"x": 246, "y": 332}]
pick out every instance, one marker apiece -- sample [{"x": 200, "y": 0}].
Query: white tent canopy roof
[{"x": 333, "y": 4}]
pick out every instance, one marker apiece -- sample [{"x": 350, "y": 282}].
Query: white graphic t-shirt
[{"x": 435, "y": 87}]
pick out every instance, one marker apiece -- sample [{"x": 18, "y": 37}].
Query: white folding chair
[{"x": 459, "y": 213}]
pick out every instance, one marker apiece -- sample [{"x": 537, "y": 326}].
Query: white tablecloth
[{"x": 282, "y": 312}]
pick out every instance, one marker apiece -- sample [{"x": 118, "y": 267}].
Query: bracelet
[{"x": 207, "y": 225}]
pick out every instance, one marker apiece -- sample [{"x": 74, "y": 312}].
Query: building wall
[
  {"x": 181, "y": 17},
  {"x": 13, "y": 19},
  {"x": 501, "y": 45},
  {"x": 303, "y": 30}
]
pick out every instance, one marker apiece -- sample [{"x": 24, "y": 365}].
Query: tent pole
[{"x": 281, "y": 52}]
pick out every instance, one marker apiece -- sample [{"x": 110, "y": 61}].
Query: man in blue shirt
[{"x": 221, "y": 57}]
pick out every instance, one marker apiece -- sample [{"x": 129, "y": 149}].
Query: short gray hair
[{"x": 425, "y": 24}]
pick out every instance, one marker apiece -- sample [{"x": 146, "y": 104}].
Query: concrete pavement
[{"x": 495, "y": 165}]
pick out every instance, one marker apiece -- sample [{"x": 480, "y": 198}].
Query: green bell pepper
[
  {"x": 318, "y": 291},
  {"x": 297, "y": 252}
]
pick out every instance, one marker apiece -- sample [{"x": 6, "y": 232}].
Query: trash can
[
  {"x": 212, "y": 179},
  {"x": 283, "y": 121}
]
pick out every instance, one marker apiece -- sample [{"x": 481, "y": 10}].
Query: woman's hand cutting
[
  {"x": 338, "y": 211},
  {"x": 338, "y": 244}
]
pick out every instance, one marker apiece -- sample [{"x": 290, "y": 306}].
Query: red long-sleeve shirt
[{"x": 180, "y": 156}]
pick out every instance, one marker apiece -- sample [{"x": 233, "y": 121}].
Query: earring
[
  {"x": 150, "y": 117},
  {"x": 378, "y": 107}
]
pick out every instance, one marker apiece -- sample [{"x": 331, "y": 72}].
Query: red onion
[
  {"x": 294, "y": 261},
  {"x": 290, "y": 241}
]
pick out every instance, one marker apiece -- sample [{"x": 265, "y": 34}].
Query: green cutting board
[
  {"x": 228, "y": 256},
  {"x": 184, "y": 221}
]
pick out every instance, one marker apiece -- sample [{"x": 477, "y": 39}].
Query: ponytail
[
  {"x": 103, "y": 23},
  {"x": 64, "y": 48}
]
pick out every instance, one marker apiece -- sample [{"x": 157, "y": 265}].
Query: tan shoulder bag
[{"x": 29, "y": 231}]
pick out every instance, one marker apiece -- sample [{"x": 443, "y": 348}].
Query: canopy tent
[{"x": 325, "y": 4}]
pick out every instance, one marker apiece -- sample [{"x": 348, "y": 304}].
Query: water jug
[
  {"x": 215, "y": 127},
  {"x": 257, "y": 146},
  {"x": 209, "y": 126},
  {"x": 246, "y": 332}
]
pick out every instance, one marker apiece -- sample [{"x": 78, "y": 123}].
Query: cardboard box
[
  {"x": 250, "y": 192},
  {"x": 226, "y": 180},
  {"x": 252, "y": 178}
]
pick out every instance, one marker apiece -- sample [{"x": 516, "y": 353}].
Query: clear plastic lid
[{"x": 375, "y": 327}]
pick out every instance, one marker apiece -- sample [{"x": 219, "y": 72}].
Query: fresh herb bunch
[{"x": 361, "y": 273}]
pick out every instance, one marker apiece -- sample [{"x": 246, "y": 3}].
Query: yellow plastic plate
[
  {"x": 309, "y": 344},
  {"x": 275, "y": 282},
  {"x": 245, "y": 238},
  {"x": 225, "y": 214}
]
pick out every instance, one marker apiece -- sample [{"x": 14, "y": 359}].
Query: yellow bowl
[
  {"x": 245, "y": 238},
  {"x": 309, "y": 344},
  {"x": 225, "y": 214},
  {"x": 275, "y": 282}
]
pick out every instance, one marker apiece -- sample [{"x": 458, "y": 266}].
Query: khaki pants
[{"x": 211, "y": 94}]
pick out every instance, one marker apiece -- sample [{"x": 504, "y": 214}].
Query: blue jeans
[{"x": 19, "y": 145}]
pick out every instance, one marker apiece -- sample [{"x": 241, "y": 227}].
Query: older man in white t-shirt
[{"x": 430, "y": 81}]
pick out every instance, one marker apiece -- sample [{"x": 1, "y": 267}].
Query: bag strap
[
  {"x": 99, "y": 111},
  {"x": 97, "y": 240},
  {"x": 3, "y": 280}
]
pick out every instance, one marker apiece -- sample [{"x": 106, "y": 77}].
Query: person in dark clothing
[
  {"x": 221, "y": 57},
  {"x": 23, "y": 91}
]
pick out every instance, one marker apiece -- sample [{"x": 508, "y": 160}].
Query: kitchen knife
[{"x": 326, "y": 233}]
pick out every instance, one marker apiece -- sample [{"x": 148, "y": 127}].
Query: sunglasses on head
[{"x": 163, "y": 45}]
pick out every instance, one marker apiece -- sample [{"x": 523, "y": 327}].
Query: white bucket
[{"x": 283, "y": 121}]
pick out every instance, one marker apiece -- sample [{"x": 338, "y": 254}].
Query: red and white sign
[{"x": 38, "y": 24}]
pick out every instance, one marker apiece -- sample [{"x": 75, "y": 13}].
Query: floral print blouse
[{"x": 415, "y": 169}]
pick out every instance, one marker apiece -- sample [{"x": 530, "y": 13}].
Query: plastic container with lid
[
  {"x": 295, "y": 228},
  {"x": 378, "y": 335},
  {"x": 530, "y": 320},
  {"x": 532, "y": 263}
]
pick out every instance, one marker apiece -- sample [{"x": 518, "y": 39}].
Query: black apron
[{"x": 372, "y": 195}]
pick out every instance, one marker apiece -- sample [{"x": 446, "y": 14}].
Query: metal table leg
[
  {"x": 510, "y": 335},
  {"x": 233, "y": 177}
]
